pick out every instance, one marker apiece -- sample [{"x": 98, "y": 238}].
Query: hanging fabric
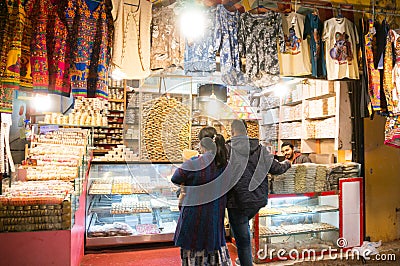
[
  {"x": 340, "y": 49},
  {"x": 388, "y": 84},
  {"x": 313, "y": 27},
  {"x": 226, "y": 30},
  {"x": 200, "y": 59},
  {"x": 90, "y": 29},
  {"x": 373, "y": 74},
  {"x": 6, "y": 122},
  {"x": 295, "y": 60},
  {"x": 396, "y": 73},
  {"x": 258, "y": 38},
  {"x": 49, "y": 46},
  {"x": 392, "y": 131},
  {"x": 167, "y": 44},
  {"x": 131, "y": 45}
]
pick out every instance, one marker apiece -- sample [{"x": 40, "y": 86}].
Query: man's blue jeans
[{"x": 239, "y": 221}]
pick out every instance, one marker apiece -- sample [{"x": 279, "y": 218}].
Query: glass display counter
[{"x": 130, "y": 203}]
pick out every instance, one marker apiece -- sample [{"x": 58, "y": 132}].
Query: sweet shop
[{"x": 111, "y": 109}]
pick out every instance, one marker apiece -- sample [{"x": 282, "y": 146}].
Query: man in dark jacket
[{"x": 252, "y": 163}]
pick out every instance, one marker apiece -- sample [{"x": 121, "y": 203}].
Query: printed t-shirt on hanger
[
  {"x": 295, "y": 60},
  {"x": 340, "y": 49}
]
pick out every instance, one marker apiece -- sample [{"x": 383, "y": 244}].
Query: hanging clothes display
[
  {"x": 258, "y": 37},
  {"x": 5, "y": 151},
  {"x": 167, "y": 44},
  {"x": 200, "y": 59},
  {"x": 392, "y": 131},
  {"x": 395, "y": 37},
  {"x": 313, "y": 27},
  {"x": 131, "y": 46},
  {"x": 226, "y": 28},
  {"x": 388, "y": 85},
  {"x": 341, "y": 41},
  {"x": 25, "y": 71},
  {"x": 49, "y": 46},
  {"x": 10, "y": 52},
  {"x": 374, "y": 81},
  {"x": 295, "y": 60},
  {"x": 90, "y": 30}
]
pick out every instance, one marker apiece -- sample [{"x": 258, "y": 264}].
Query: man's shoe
[{"x": 237, "y": 262}]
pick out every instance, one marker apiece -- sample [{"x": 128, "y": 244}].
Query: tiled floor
[
  {"x": 152, "y": 256},
  {"x": 169, "y": 256}
]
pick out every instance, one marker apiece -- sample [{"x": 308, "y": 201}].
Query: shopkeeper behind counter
[{"x": 295, "y": 157}]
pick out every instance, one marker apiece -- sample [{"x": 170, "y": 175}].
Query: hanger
[
  {"x": 339, "y": 13},
  {"x": 259, "y": 10}
]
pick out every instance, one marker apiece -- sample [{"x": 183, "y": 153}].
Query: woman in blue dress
[{"x": 200, "y": 231}]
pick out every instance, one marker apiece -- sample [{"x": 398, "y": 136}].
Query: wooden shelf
[
  {"x": 292, "y": 103},
  {"x": 320, "y": 97},
  {"x": 116, "y": 100},
  {"x": 289, "y": 121},
  {"x": 320, "y": 117}
]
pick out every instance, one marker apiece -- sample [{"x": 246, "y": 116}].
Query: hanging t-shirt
[
  {"x": 226, "y": 28},
  {"x": 340, "y": 49},
  {"x": 167, "y": 44},
  {"x": 131, "y": 47},
  {"x": 392, "y": 131},
  {"x": 200, "y": 53},
  {"x": 313, "y": 27},
  {"x": 295, "y": 60},
  {"x": 258, "y": 37}
]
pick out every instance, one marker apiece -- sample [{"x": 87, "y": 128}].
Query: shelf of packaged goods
[
  {"x": 71, "y": 125},
  {"x": 292, "y": 103},
  {"x": 320, "y": 96},
  {"x": 104, "y": 144},
  {"x": 128, "y": 240},
  {"x": 306, "y": 194},
  {"x": 320, "y": 117},
  {"x": 109, "y": 132},
  {"x": 299, "y": 233},
  {"x": 334, "y": 209},
  {"x": 116, "y": 100}
]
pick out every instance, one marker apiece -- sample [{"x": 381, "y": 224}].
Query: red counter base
[{"x": 61, "y": 247}]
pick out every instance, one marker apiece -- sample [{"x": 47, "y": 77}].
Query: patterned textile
[
  {"x": 392, "y": 131},
  {"x": 258, "y": 37},
  {"x": 49, "y": 58},
  {"x": 219, "y": 257},
  {"x": 388, "y": 75},
  {"x": 200, "y": 53},
  {"x": 313, "y": 28},
  {"x": 10, "y": 64},
  {"x": 12, "y": 25},
  {"x": 25, "y": 61},
  {"x": 90, "y": 27},
  {"x": 208, "y": 217},
  {"x": 226, "y": 27},
  {"x": 373, "y": 74},
  {"x": 167, "y": 44},
  {"x": 396, "y": 73}
]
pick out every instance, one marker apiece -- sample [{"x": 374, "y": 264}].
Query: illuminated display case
[
  {"x": 300, "y": 225},
  {"x": 130, "y": 203}
]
